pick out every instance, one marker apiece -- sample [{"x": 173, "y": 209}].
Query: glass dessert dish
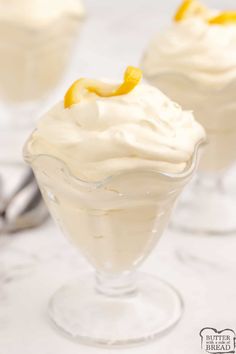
[
  {"x": 115, "y": 223},
  {"x": 207, "y": 206},
  {"x": 193, "y": 67},
  {"x": 110, "y": 161},
  {"x": 37, "y": 38}
]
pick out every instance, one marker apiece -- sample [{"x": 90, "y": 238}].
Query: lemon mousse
[
  {"x": 194, "y": 62},
  {"x": 101, "y": 157},
  {"x": 36, "y": 41},
  {"x": 101, "y": 129}
]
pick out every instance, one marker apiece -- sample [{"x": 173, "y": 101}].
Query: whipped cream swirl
[
  {"x": 193, "y": 48},
  {"x": 100, "y": 137}
]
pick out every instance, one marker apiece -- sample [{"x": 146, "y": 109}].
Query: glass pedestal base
[{"x": 86, "y": 314}]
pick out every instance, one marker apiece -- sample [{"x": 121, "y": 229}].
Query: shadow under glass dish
[
  {"x": 208, "y": 206},
  {"x": 115, "y": 223}
]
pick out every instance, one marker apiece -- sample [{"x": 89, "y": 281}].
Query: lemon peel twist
[
  {"x": 190, "y": 8},
  {"x": 225, "y": 17},
  {"x": 79, "y": 88}
]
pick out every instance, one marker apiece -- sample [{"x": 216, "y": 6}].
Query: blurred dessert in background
[
  {"x": 36, "y": 40},
  {"x": 194, "y": 62}
]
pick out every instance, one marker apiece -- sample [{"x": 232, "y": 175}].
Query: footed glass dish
[
  {"x": 115, "y": 223},
  {"x": 208, "y": 206}
]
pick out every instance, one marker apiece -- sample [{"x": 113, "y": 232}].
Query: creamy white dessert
[
  {"x": 100, "y": 137},
  {"x": 110, "y": 168},
  {"x": 36, "y": 39},
  {"x": 194, "y": 62}
]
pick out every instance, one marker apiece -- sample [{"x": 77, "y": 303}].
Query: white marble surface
[{"x": 34, "y": 264}]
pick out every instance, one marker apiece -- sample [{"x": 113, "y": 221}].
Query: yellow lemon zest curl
[
  {"x": 79, "y": 88},
  {"x": 194, "y": 8}
]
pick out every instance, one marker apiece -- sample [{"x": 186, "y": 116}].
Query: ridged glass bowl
[{"x": 115, "y": 223}]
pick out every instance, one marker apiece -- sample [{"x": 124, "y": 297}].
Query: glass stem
[{"x": 116, "y": 285}]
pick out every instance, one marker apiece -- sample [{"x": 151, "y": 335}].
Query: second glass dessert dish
[
  {"x": 194, "y": 62},
  {"x": 37, "y": 38},
  {"x": 112, "y": 196}
]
